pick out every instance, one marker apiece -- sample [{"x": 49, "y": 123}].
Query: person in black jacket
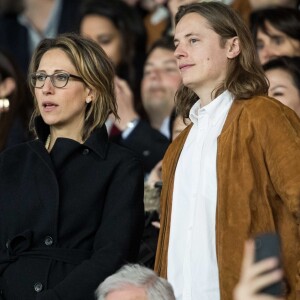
[
  {"x": 71, "y": 202},
  {"x": 24, "y": 26}
]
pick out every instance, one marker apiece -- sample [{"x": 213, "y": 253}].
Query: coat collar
[{"x": 97, "y": 141}]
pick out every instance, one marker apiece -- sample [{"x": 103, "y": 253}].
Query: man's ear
[{"x": 233, "y": 47}]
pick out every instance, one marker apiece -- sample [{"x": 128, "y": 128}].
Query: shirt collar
[{"x": 215, "y": 109}]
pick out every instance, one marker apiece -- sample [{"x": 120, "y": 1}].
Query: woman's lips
[{"x": 49, "y": 106}]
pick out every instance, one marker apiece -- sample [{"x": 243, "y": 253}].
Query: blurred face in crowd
[
  {"x": 160, "y": 81},
  {"x": 104, "y": 32},
  {"x": 257, "y": 4},
  {"x": 283, "y": 88},
  {"x": 128, "y": 293},
  {"x": 275, "y": 43},
  {"x": 131, "y": 2},
  {"x": 174, "y": 4}
]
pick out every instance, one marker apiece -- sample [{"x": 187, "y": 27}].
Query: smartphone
[{"x": 268, "y": 245}]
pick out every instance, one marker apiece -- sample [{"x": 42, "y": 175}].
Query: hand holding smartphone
[
  {"x": 268, "y": 245},
  {"x": 261, "y": 276}
]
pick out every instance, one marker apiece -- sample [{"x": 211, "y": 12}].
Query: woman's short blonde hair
[{"x": 95, "y": 69}]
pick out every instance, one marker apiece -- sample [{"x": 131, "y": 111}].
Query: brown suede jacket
[{"x": 258, "y": 171}]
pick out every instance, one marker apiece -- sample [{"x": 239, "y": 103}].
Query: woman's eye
[
  {"x": 278, "y": 40},
  {"x": 277, "y": 94},
  {"x": 40, "y": 77},
  {"x": 104, "y": 40},
  {"x": 259, "y": 45},
  {"x": 192, "y": 41},
  {"x": 61, "y": 77}
]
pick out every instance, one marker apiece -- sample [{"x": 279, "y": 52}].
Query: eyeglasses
[{"x": 59, "y": 80}]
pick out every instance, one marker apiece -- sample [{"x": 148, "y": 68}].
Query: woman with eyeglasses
[{"x": 71, "y": 203}]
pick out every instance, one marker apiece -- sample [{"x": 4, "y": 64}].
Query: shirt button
[
  {"x": 38, "y": 287},
  {"x": 85, "y": 151},
  {"x": 48, "y": 241}
]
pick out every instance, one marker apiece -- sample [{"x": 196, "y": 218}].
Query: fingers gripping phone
[{"x": 268, "y": 245}]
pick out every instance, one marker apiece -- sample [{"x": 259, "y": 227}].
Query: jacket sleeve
[
  {"x": 280, "y": 138},
  {"x": 117, "y": 240},
  {"x": 281, "y": 141}
]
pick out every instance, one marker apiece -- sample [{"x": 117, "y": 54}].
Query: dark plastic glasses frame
[{"x": 33, "y": 79}]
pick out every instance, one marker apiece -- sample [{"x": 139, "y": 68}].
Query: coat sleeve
[
  {"x": 281, "y": 141},
  {"x": 280, "y": 138},
  {"x": 117, "y": 240}
]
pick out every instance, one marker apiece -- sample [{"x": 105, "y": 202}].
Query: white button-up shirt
[{"x": 192, "y": 261}]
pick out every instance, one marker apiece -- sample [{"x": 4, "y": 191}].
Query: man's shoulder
[
  {"x": 261, "y": 103},
  {"x": 260, "y": 107}
]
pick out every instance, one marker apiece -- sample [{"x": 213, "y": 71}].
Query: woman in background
[
  {"x": 120, "y": 31},
  {"x": 283, "y": 74},
  {"x": 15, "y": 104},
  {"x": 276, "y": 32}
]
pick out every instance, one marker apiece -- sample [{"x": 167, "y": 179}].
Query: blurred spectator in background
[
  {"x": 245, "y": 7},
  {"x": 276, "y": 32},
  {"x": 156, "y": 19},
  {"x": 283, "y": 74},
  {"x": 119, "y": 30},
  {"x": 21, "y": 32},
  {"x": 152, "y": 190},
  {"x": 160, "y": 82},
  {"x": 258, "y": 4},
  {"x": 15, "y": 104},
  {"x": 173, "y": 8},
  {"x": 135, "y": 282},
  {"x": 122, "y": 37},
  {"x": 8, "y": 7}
]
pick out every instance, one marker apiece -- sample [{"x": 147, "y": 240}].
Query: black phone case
[{"x": 268, "y": 245}]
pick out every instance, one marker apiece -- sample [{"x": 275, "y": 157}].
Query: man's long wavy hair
[{"x": 245, "y": 77}]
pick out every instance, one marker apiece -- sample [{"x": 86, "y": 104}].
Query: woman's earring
[
  {"x": 88, "y": 100},
  {"x": 4, "y": 104}
]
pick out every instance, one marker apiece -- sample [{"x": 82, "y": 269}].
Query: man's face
[
  {"x": 128, "y": 293},
  {"x": 201, "y": 59},
  {"x": 160, "y": 81}
]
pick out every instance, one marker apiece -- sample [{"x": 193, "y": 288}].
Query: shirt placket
[{"x": 202, "y": 127}]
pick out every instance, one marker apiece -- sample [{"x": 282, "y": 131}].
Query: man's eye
[{"x": 61, "y": 77}]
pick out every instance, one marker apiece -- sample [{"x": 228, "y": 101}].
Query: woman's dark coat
[{"x": 69, "y": 219}]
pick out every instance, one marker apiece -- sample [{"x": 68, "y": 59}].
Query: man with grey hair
[{"x": 135, "y": 282}]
